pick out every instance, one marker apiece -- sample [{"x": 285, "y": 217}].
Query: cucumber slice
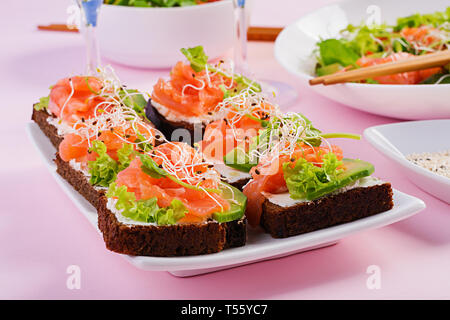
[
  {"x": 355, "y": 170},
  {"x": 239, "y": 159},
  {"x": 236, "y": 210}
]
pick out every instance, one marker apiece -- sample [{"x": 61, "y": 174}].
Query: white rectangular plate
[{"x": 260, "y": 246}]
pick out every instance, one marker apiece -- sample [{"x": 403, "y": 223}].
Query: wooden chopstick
[
  {"x": 253, "y": 33},
  {"x": 58, "y": 27},
  {"x": 263, "y": 33},
  {"x": 431, "y": 60}
]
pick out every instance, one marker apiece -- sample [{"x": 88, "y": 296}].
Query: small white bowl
[
  {"x": 153, "y": 37},
  {"x": 295, "y": 44},
  {"x": 398, "y": 140}
]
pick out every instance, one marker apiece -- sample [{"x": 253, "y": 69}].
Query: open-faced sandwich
[
  {"x": 76, "y": 99},
  {"x": 188, "y": 99},
  {"x": 170, "y": 202},
  {"x": 302, "y": 183}
]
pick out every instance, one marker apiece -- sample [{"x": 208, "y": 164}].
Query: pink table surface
[{"x": 42, "y": 232}]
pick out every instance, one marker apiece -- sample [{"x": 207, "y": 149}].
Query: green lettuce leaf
[
  {"x": 305, "y": 179},
  {"x": 145, "y": 210},
  {"x": 429, "y": 19},
  {"x": 172, "y": 213},
  {"x": 124, "y": 156},
  {"x": 104, "y": 169},
  {"x": 336, "y": 51}
]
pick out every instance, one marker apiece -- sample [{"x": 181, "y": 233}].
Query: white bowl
[
  {"x": 153, "y": 37},
  {"x": 398, "y": 140},
  {"x": 294, "y": 46}
]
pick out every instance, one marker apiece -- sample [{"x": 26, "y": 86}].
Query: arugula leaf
[
  {"x": 145, "y": 210},
  {"x": 305, "y": 179},
  {"x": 199, "y": 61},
  {"x": 42, "y": 104},
  {"x": 103, "y": 170},
  {"x": 133, "y": 99},
  {"x": 197, "y": 57},
  {"x": 150, "y": 167}
]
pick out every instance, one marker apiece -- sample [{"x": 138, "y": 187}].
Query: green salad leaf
[
  {"x": 145, "y": 210},
  {"x": 304, "y": 179},
  {"x": 104, "y": 169},
  {"x": 416, "y": 20},
  {"x": 336, "y": 51},
  {"x": 42, "y": 104},
  {"x": 171, "y": 214},
  {"x": 124, "y": 156}
]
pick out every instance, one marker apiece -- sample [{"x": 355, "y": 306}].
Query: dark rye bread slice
[
  {"x": 171, "y": 240},
  {"x": 240, "y": 183},
  {"x": 78, "y": 181},
  {"x": 195, "y": 131},
  {"x": 354, "y": 204},
  {"x": 41, "y": 117}
]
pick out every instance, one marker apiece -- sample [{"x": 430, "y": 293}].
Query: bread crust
[
  {"x": 354, "y": 204},
  {"x": 78, "y": 181},
  {"x": 41, "y": 117},
  {"x": 170, "y": 240}
]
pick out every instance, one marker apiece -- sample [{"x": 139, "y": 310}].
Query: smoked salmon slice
[{"x": 188, "y": 93}]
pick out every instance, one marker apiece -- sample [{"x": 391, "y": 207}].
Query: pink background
[{"x": 42, "y": 232}]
